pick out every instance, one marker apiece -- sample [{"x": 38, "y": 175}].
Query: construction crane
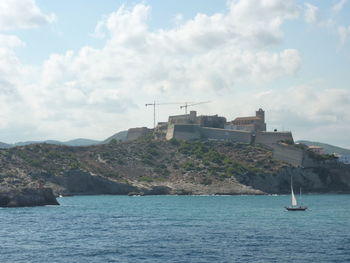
[
  {"x": 192, "y": 104},
  {"x": 154, "y": 104}
]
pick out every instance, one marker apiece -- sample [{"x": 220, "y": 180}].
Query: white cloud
[
  {"x": 225, "y": 57},
  {"x": 311, "y": 14},
  {"x": 311, "y": 112},
  {"x": 104, "y": 89},
  {"x": 10, "y": 41},
  {"x": 344, "y": 34},
  {"x": 339, "y": 6},
  {"x": 229, "y": 58},
  {"x": 18, "y": 14}
]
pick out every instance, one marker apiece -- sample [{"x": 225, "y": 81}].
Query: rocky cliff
[
  {"x": 162, "y": 167},
  {"x": 21, "y": 197}
]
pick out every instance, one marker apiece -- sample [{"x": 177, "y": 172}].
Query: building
[
  {"x": 213, "y": 121},
  {"x": 252, "y": 124},
  {"x": 316, "y": 149},
  {"x": 250, "y": 130},
  {"x": 242, "y": 129}
]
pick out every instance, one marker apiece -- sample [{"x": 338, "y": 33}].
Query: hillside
[
  {"x": 160, "y": 167},
  {"x": 119, "y": 136},
  {"x": 4, "y": 145},
  {"x": 75, "y": 142},
  {"x": 328, "y": 149}
]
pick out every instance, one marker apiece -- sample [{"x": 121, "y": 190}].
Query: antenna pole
[{"x": 154, "y": 115}]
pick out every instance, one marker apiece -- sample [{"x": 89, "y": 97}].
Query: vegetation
[{"x": 145, "y": 160}]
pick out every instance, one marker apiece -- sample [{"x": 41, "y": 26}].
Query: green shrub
[
  {"x": 188, "y": 165},
  {"x": 174, "y": 141},
  {"x": 146, "y": 179}
]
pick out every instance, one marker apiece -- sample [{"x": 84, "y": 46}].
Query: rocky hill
[{"x": 161, "y": 167}]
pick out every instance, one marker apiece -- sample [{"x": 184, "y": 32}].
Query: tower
[{"x": 261, "y": 114}]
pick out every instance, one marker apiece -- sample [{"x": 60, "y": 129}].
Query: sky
[{"x": 86, "y": 68}]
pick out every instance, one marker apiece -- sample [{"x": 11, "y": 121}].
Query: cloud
[
  {"x": 10, "y": 41},
  {"x": 311, "y": 14},
  {"x": 22, "y": 14},
  {"x": 104, "y": 89},
  {"x": 344, "y": 34},
  {"x": 339, "y": 6},
  {"x": 309, "y": 111},
  {"x": 229, "y": 58}
]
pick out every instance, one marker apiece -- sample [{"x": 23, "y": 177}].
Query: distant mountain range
[
  {"x": 327, "y": 148},
  {"x": 120, "y": 136}
]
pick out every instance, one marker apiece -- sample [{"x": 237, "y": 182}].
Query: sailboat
[{"x": 295, "y": 206}]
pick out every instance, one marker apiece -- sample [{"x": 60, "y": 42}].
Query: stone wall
[
  {"x": 221, "y": 134},
  {"x": 191, "y": 132},
  {"x": 183, "y": 132},
  {"x": 288, "y": 154},
  {"x": 271, "y": 138},
  {"x": 184, "y": 119},
  {"x": 230, "y": 126},
  {"x": 214, "y": 121},
  {"x": 136, "y": 133}
]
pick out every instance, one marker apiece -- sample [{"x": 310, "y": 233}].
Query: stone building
[
  {"x": 252, "y": 123},
  {"x": 250, "y": 130},
  {"x": 212, "y": 121},
  {"x": 242, "y": 129},
  {"x": 316, "y": 149}
]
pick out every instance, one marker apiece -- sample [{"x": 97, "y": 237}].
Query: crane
[
  {"x": 192, "y": 104},
  {"x": 154, "y": 104}
]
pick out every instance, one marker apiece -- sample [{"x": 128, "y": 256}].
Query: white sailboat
[{"x": 294, "y": 206}]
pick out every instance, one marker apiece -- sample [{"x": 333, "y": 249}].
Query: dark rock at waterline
[
  {"x": 158, "y": 190},
  {"x": 27, "y": 197},
  {"x": 79, "y": 182}
]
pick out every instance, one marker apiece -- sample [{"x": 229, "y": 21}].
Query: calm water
[{"x": 178, "y": 229}]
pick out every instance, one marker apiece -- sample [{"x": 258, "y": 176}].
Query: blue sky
[{"x": 83, "y": 68}]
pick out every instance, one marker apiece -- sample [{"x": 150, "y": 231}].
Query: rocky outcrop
[
  {"x": 79, "y": 182},
  {"x": 322, "y": 179},
  {"x": 27, "y": 197}
]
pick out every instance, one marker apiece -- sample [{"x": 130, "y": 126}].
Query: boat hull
[{"x": 298, "y": 208}]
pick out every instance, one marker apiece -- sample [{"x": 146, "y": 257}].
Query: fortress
[
  {"x": 242, "y": 129},
  {"x": 249, "y": 130}
]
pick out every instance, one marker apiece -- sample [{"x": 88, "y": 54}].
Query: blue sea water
[{"x": 178, "y": 229}]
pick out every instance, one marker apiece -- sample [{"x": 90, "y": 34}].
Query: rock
[
  {"x": 158, "y": 190},
  {"x": 79, "y": 182},
  {"x": 323, "y": 179},
  {"x": 27, "y": 197}
]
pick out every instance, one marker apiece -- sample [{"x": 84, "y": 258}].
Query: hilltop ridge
[{"x": 162, "y": 167}]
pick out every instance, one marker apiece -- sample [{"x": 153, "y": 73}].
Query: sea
[{"x": 178, "y": 229}]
